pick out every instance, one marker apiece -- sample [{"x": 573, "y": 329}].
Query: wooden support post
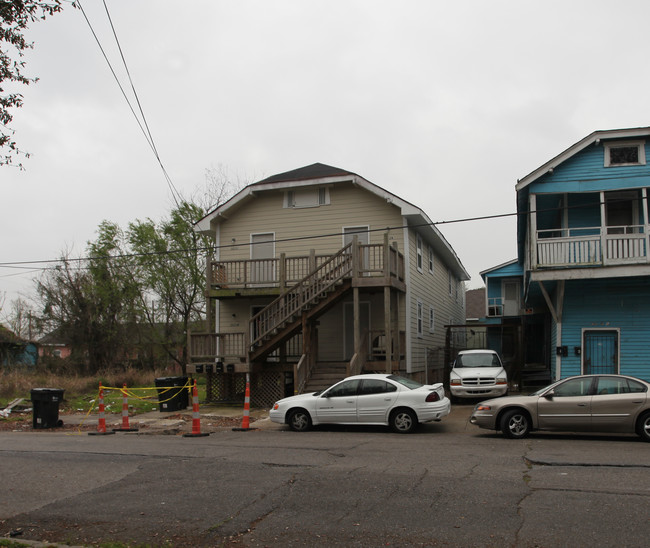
[
  {"x": 355, "y": 256},
  {"x": 283, "y": 271},
  {"x": 387, "y": 328},
  {"x": 356, "y": 319},
  {"x": 386, "y": 259}
]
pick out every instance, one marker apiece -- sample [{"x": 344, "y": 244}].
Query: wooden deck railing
[
  {"x": 287, "y": 271},
  {"x": 592, "y": 246},
  {"x": 306, "y": 292},
  {"x": 208, "y": 346},
  {"x": 321, "y": 273}
]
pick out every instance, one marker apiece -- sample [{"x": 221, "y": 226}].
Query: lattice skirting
[{"x": 266, "y": 388}]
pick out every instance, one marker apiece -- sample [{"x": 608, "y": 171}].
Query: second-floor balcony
[
  {"x": 284, "y": 271},
  {"x": 590, "y": 246}
]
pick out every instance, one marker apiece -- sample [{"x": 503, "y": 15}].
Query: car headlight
[
  {"x": 502, "y": 380},
  {"x": 276, "y": 406},
  {"x": 482, "y": 407},
  {"x": 455, "y": 382}
]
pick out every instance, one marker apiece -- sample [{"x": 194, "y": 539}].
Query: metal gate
[{"x": 600, "y": 352}]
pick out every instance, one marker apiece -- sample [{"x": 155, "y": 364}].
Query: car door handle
[{"x": 582, "y": 405}]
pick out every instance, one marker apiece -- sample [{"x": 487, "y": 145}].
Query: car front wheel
[
  {"x": 644, "y": 426},
  {"x": 403, "y": 421},
  {"x": 515, "y": 424},
  {"x": 299, "y": 420}
]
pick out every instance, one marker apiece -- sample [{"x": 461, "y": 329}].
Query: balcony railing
[
  {"x": 592, "y": 246},
  {"x": 287, "y": 271}
]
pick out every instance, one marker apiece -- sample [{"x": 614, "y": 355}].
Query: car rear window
[{"x": 409, "y": 383}]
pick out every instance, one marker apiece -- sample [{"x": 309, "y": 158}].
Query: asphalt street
[{"x": 448, "y": 484}]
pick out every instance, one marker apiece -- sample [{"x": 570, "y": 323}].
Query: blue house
[
  {"x": 584, "y": 258},
  {"x": 514, "y": 330},
  {"x": 15, "y": 351}
]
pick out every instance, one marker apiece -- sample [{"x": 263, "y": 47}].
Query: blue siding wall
[
  {"x": 586, "y": 171},
  {"x": 608, "y": 304}
]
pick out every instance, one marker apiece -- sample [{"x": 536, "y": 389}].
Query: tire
[
  {"x": 643, "y": 426},
  {"x": 515, "y": 424},
  {"x": 299, "y": 420},
  {"x": 403, "y": 421}
]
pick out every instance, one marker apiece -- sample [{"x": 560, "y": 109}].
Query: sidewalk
[{"x": 213, "y": 419}]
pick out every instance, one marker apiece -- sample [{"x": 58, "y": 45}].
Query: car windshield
[
  {"x": 409, "y": 383},
  {"x": 486, "y": 359}
]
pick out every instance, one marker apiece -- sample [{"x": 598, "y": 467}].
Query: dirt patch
[{"x": 171, "y": 424}]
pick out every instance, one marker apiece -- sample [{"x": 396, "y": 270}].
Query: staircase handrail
[{"x": 303, "y": 293}]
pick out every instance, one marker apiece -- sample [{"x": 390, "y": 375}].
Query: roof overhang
[
  {"x": 594, "y": 137},
  {"x": 415, "y": 217}
]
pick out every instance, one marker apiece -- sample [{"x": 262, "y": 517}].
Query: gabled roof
[
  {"x": 314, "y": 171},
  {"x": 629, "y": 133},
  {"x": 322, "y": 174},
  {"x": 508, "y": 269}
]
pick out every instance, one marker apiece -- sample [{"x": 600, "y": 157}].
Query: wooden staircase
[
  {"x": 307, "y": 299},
  {"x": 325, "y": 374}
]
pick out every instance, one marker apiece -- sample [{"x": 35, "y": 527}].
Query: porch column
[
  {"x": 646, "y": 222},
  {"x": 603, "y": 229},
  {"x": 532, "y": 218},
  {"x": 356, "y": 320},
  {"x": 387, "y": 326},
  {"x": 306, "y": 341}
]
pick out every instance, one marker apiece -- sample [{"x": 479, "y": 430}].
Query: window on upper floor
[
  {"x": 628, "y": 153},
  {"x": 432, "y": 320},
  {"x": 419, "y": 318},
  {"x": 430, "y": 259},
  {"x": 306, "y": 197},
  {"x": 418, "y": 247}
]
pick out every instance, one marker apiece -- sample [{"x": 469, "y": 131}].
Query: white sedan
[{"x": 365, "y": 399}]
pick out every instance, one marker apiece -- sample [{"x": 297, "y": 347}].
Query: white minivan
[{"x": 477, "y": 374}]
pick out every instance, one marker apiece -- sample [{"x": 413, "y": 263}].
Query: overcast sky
[{"x": 445, "y": 104}]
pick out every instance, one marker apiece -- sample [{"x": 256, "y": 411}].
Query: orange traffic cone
[
  {"x": 101, "y": 426},
  {"x": 125, "y": 413},
  {"x": 196, "y": 416},
  {"x": 245, "y": 423}
]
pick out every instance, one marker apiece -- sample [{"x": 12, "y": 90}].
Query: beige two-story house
[{"x": 316, "y": 274}]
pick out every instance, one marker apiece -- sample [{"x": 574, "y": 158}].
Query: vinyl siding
[
  {"x": 609, "y": 304},
  {"x": 585, "y": 172},
  {"x": 431, "y": 290},
  {"x": 349, "y": 206}
]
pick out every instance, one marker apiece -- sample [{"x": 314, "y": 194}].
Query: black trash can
[
  {"x": 45, "y": 407},
  {"x": 174, "y": 399}
]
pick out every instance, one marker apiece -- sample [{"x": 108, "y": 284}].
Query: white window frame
[
  {"x": 432, "y": 320},
  {"x": 619, "y": 144},
  {"x": 419, "y": 316},
  {"x": 449, "y": 279},
  {"x": 321, "y": 197},
  {"x": 418, "y": 252},
  {"x": 431, "y": 261}
]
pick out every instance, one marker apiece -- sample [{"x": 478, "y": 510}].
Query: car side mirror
[{"x": 549, "y": 395}]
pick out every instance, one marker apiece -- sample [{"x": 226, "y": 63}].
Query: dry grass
[{"x": 17, "y": 383}]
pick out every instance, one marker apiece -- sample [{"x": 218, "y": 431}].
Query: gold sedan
[{"x": 586, "y": 403}]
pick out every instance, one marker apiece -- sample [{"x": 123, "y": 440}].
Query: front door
[
  {"x": 262, "y": 254},
  {"x": 569, "y": 408},
  {"x": 600, "y": 352},
  {"x": 511, "y": 298},
  {"x": 339, "y": 403}
]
